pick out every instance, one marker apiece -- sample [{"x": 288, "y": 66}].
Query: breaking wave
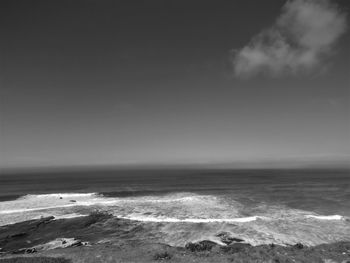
[
  {"x": 60, "y": 195},
  {"x": 188, "y": 216},
  {"x": 192, "y": 220},
  {"x": 331, "y": 217},
  {"x": 185, "y": 207}
]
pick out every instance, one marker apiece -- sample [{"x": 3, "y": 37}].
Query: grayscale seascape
[{"x": 203, "y": 131}]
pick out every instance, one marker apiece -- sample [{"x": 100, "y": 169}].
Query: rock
[
  {"x": 57, "y": 243},
  {"x": 77, "y": 244},
  {"x": 45, "y": 220},
  {"x": 227, "y": 239},
  {"x": 61, "y": 197},
  {"x": 61, "y": 243},
  {"x": 30, "y": 250},
  {"x": 298, "y": 246},
  {"x": 205, "y": 245},
  {"x": 25, "y": 251},
  {"x": 235, "y": 239},
  {"x": 21, "y": 234}
]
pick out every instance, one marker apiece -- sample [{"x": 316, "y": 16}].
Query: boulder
[{"x": 298, "y": 246}]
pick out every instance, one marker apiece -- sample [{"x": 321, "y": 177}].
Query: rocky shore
[{"x": 100, "y": 237}]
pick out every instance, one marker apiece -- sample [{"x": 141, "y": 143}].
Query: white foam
[
  {"x": 59, "y": 195},
  {"x": 191, "y": 220},
  {"x": 332, "y": 217},
  {"x": 13, "y": 211},
  {"x": 34, "y": 203},
  {"x": 67, "y": 216}
]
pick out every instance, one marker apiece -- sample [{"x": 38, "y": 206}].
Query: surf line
[
  {"x": 332, "y": 217},
  {"x": 192, "y": 220}
]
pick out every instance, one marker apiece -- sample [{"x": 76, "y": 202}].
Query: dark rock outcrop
[
  {"x": 45, "y": 220},
  {"x": 227, "y": 239},
  {"x": 298, "y": 246},
  {"x": 19, "y": 235},
  {"x": 16, "y": 237},
  {"x": 205, "y": 245},
  {"x": 25, "y": 251}
]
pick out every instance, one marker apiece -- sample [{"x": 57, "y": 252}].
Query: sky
[{"x": 174, "y": 83}]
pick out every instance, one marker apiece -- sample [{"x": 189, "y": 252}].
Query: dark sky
[{"x": 152, "y": 82}]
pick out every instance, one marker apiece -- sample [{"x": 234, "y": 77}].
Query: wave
[
  {"x": 221, "y": 220},
  {"x": 191, "y": 220},
  {"x": 64, "y": 216},
  {"x": 61, "y": 195},
  {"x": 102, "y": 198},
  {"x": 67, "y": 216},
  {"x": 331, "y": 217},
  {"x": 13, "y": 211},
  {"x": 186, "y": 216},
  {"x": 32, "y": 203},
  {"x": 36, "y": 203},
  {"x": 173, "y": 208}
]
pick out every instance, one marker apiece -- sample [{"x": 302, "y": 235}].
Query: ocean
[{"x": 260, "y": 206}]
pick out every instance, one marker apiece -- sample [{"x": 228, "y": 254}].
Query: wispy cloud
[{"x": 302, "y": 37}]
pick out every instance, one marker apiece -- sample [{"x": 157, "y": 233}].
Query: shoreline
[{"x": 101, "y": 237}]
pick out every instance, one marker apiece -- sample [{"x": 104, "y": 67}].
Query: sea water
[{"x": 259, "y": 206}]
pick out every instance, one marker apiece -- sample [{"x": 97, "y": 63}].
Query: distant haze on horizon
[{"x": 240, "y": 83}]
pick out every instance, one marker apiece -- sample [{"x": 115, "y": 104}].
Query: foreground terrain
[{"x": 103, "y": 238}]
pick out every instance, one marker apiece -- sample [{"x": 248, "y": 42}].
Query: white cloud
[{"x": 299, "y": 41}]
